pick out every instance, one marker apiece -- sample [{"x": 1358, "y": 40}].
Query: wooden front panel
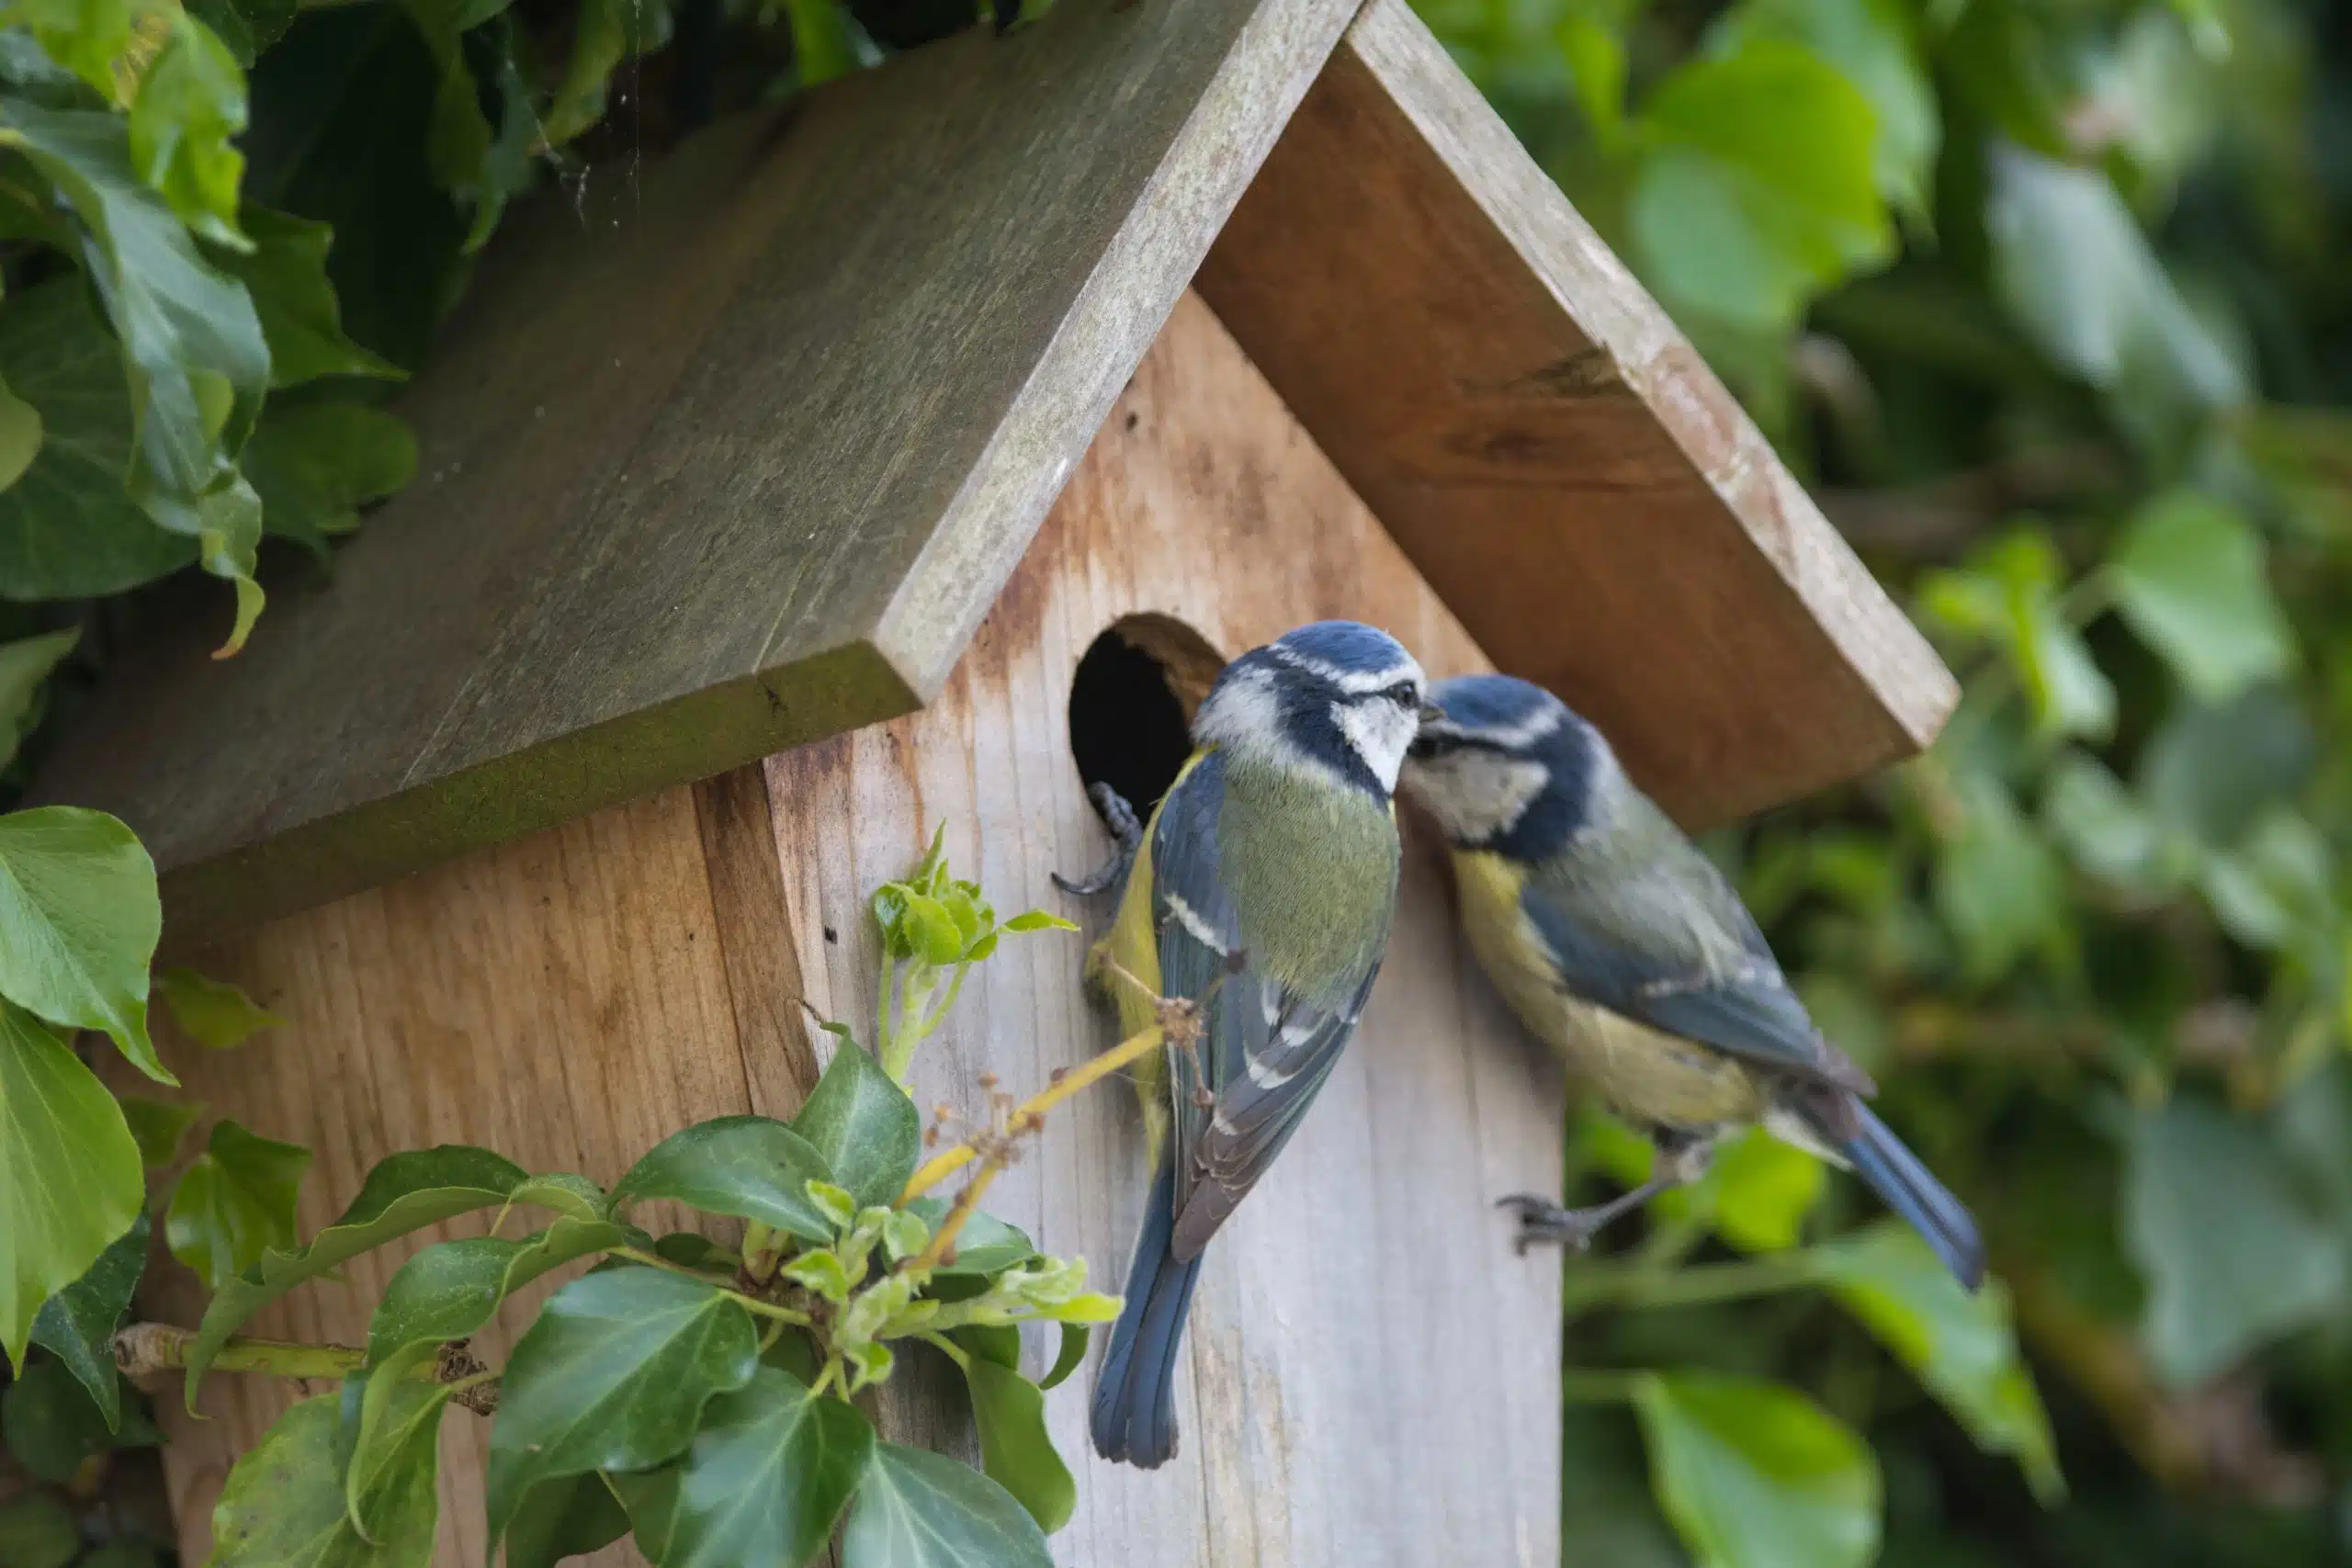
[{"x": 1372, "y": 1373}]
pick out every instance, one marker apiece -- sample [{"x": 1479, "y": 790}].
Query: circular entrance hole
[{"x": 1131, "y": 705}]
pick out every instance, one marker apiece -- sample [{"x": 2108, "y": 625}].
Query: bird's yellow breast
[{"x": 1644, "y": 1075}]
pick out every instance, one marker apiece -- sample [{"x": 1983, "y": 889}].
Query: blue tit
[
  {"x": 1262, "y": 892},
  {"x": 1623, "y": 947}
]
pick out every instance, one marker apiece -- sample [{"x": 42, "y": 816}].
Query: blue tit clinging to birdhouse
[
  {"x": 1621, "y": 946},
  {"x": 1262, "y": 892}
]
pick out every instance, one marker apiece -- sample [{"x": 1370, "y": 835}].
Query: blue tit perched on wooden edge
[
  {"x": 1262, "y": 891},
  {"x": 1621, "y": 946}
]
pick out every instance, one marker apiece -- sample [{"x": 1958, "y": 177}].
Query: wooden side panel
[
  {"x": 573, "y": 997},
  {"x": 1324, "y": 1422},
  {"x": 1552, "y": 454}
]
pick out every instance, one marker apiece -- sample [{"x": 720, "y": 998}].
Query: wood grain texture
[
  {"x": 731, "y": 456},
  {"x": 1372, "y": 1373},
  {"x": 1549, "y": 452}
]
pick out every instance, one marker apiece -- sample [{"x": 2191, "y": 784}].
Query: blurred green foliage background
[{"x": 2049, "y": 306}]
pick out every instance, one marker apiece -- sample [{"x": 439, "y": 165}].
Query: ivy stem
[
  {"x": 754, "y": 1303},
  {"x": 1032, "y": 1112},
  {"x": 144, "y": 1348}
]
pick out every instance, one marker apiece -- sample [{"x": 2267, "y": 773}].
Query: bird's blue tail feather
[
  {"x": 1135, "y": 1402},
  {"x": 1908, "y": 1188}
]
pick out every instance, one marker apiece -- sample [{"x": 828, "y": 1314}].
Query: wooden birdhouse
[{"x": 911, "y": 457}]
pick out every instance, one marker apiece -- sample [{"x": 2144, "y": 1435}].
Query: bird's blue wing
[
  {"x": 1263, "y": 1052},
  {"x": 1630, "y": 945}
]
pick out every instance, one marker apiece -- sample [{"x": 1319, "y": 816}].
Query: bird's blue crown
[
  {"x": 1336, "y": 696},
  {"x": 1518, "y": 722}
]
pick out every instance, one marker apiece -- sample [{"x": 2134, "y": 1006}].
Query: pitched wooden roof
[{"x": 738, "y": 454}]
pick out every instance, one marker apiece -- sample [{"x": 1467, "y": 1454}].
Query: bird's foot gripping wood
[
  {"x": 1681, "y": 1160},
  {"x": 1127, "y": 833}
]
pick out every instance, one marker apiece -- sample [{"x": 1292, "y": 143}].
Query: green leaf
[
  {"x": 1038, "y": 920},
  {"x": 749, "y": 1167},
  {"x": 985, "y": 1245},
  {"x": 2232, "y": 1254},
  {"x": 84, "y": 36},
  {"x": 1762, "y": 1189},
  {"x": 315, "y": 463},
  {"x": 1756, "y": 188},
  {"x": 2072, "y": 267},
  {"x": 399, "y": 1433},
  {"x": 20, "y": 436},
  {"x": 1871, "y": 44},
  {"x": 159, "y": 1126},
  {"x": 77, "y": 1323},
  {"x": 25, "y": 667},
  {"x": 1755, "y": 1475},
  {"x": 2214, "y": 772},
  {"x": 286, "y": 272},
  {"x": 2109, "y": 832},
  {"x": 924, "y": 1510},
  {"x": 930, "y": 931},
  {"x": 192, "y": 348},
  {"x": 769, "y": 1474},
  {"x": 69, "y": 1173},
  {"x": 863, "y": 1126},
  {"x": 2009, "y": 596},
  {"x": 405, "y": 1192},
  {"x": 246, "y": 26},
  {"x": 283, "y": 1505},
  {"x": 2191, "y": 576},
  {"x": 820, "y": 42},
  {"x": 451, "y": 1289},
  {"x": 79, "y": 918},
  {"x": 49, "y": 1422},
  {"x": 1071, "y": 1355},
  {"x": 614, "y": 1375},
  {"x": 1015, "y": 1448},
  {"x": 68, "y": 528},
  {"x": 1998, "y": 886},
  {"x": 36, "y": 1532},
  {"x": 1962, "y": 1346},
  {"x": 235, "y": 1203},
  {"x": 564, "y": 1519},
  {"x": 191, "y": 103},
  {"x": 609, "y": 32},
  {"x": 213, "y": 1013}
]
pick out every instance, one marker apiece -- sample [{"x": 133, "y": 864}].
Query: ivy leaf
[
  {"x": 767, "y": 1477},
  {"x": 191, "y": 103},
  {"x": 213, "y": 1013},
  {"x": 20, "y": 436},
  {"x": 985, "y": 1245},
  {"x": 235, "y": 1203},
  {"x": 158, "y": 1126},
  {"x": 917, "y": 1510},
  {"x": 192, "y": 347},
  {"x": 1038, "y": 920},
  {"x": 1756, "y": 188},
  {"x": 863, "y": 1126},
  {"x": 451, "y": 1289},
  {"x": 609, "y": 31},
  {"x": 25, "y": 668},
  {"x": 1753, "y": 1476},
  {"x": 1068, "y": 1359},
  {"x": 85, "y": 36},
  {"x": 564, "y": 1519},
  {"x": 79, "y": 918},
  {"x": 36, "y": 1532},
  {"x": 49, "y": 1423},
  {"x": 2108, "y": 831},
  {"x": 749, "y": 1167},
  {"x": 398, "y": 1431},
  {"x": 68, "y": 528},
  {"x": 2232, "y": 1254},
  {"x": 284, "y": 1501},
  {"x": 77, "y": 1323},
  {"x": 2007, "y": 595},
  {"x": 69, "y": 1173},
  {"x": 1015, "y": 1448},
  {"x": 315, "y": 463},
  {"x": 1872, "y": 44},
  {"x": 286, "y": 272},
  {"x": 1997, "y": 886},
  {"x": 1762, "y": 1189},
  {"x": 2214, "y": 772},
  {"x": 614, "y": 1375},
  {"x": 2191, "y": 576},
  {"x": 1962, "y": 1346},
  {"x": 405, "y": 1192},
  {"x": 246, "y": 26}
]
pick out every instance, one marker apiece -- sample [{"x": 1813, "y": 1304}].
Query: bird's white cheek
[{"x": 1378, "y": 731}]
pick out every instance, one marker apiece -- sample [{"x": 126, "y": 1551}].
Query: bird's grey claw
[
  {"x": 1541, "y": 1220},
  {"x": 1126, "y": 831}
]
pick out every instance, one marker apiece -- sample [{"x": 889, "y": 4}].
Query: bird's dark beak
[{"x": 1432, "y": 713}]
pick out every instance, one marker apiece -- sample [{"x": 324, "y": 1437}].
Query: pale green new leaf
[
  {"x": 79, "y": 919},
  {"x": 235, "y": 1203},
  {"x": 213, "y": 1013},
  {"x": 1755, "y": 1475},
  {"x": 191, "y": 103},
  {"x": 70, "y": 1181},
  {"x": 158, "y": 1126}
]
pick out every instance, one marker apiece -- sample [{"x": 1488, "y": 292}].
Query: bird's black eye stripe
[{"x": 1404, "y": 694}]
